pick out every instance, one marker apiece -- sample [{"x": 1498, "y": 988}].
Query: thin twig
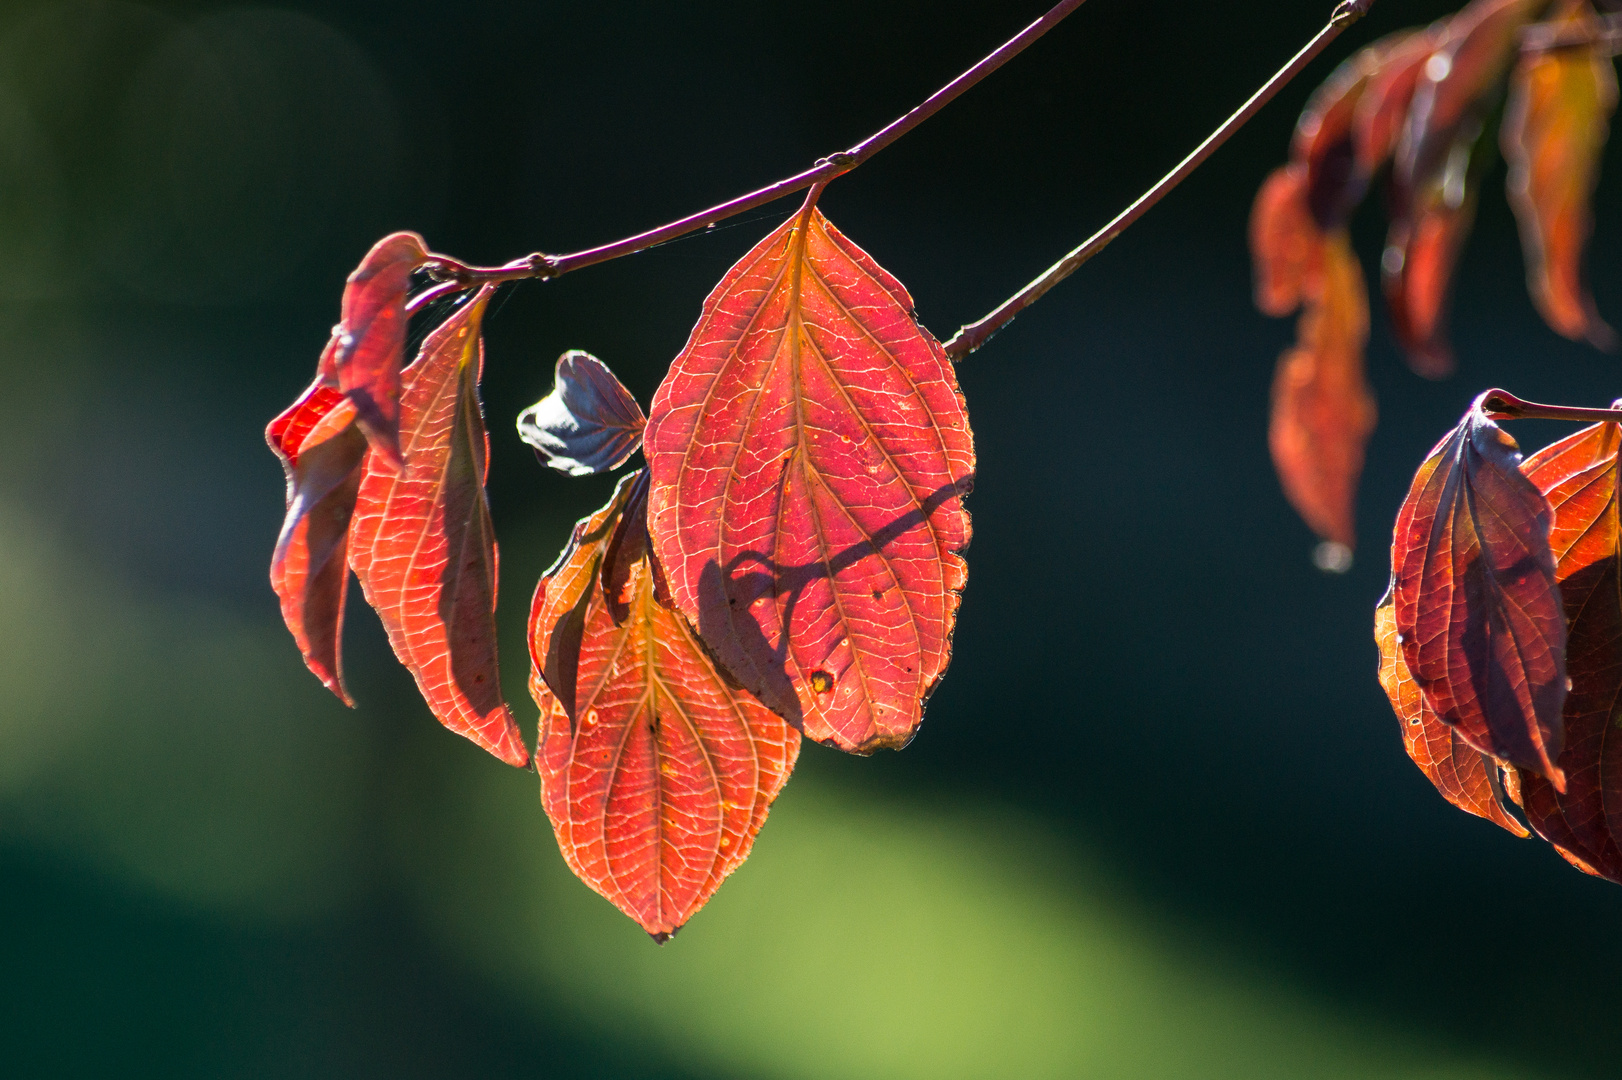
[
  {"x": 1503, "y": 405},
  {"x": 975, "y": 334},
  {"x": 545, "y": 267}
]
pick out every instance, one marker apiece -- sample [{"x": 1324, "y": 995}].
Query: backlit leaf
[
  {"x": 1478, "y": 612},
  {"x": 1578, "y": 475},
  {"x": 1286, "y": 245},
  {"x": 809, "y": 452},
  {"x": 321, "y": 450},
  {"x": 1554, "y": 132},
  {"x": 371, "y": 337},
  {"x": 1323, "y": 412},
  {"x": 422, "y": 544},
  {"x": 1382, "y": 108},
  {"x": 1433, "y": 184},
  {"x": 589, "y": 423},
  {"x": 655, "y": 771},
  {"x": 1459, "y": 771}
]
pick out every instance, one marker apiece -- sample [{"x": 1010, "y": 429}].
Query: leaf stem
[
  {"x": 544, "y": 266},
  {"x": 976, "y": 334},
  {"x": 1503, "y": 405}
]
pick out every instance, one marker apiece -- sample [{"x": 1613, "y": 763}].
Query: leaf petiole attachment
[{"x": 1502, "y": 405}]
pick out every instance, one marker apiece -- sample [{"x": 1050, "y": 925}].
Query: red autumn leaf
[
  {"x": 423, "y": 546},
  {"x": 371, "y": 337},
  {"x": 321, "y": 451},
  {"x": 1286, "y": 245},
  {"x": 1553, "y": 135},
  {"x": 1323, "y": 412},
  {"x": 588, "y": 424},
  {"x": 655, "y": 771},
  {"x": 1434, "y": 189},
  {"x": 809, "y": 450},
  {"x": 1456, "y": 85},
  {"x": 1578, "y": 475},
  {"x": 1463, "y": 774},
  {"x": 1382, "y": 108},
  {"x": 1421, "y": 252},
  {"x": 1478, "y": 613}
]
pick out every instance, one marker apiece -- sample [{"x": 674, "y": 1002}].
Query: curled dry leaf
[
  {"x": 1463, "y": 774},
  {"x": 656, "y": 771},
  {"x": 321, "y": 449},
  {"x": 371, "y": 337},
  {"x": 1554, "y": 132},
  {"x": 1478, "y": 614},
  {"x": 1578, "y": 475},
  {"x": 423, "y": 546},
  {"x": 809, "y": 452},
  {"x": 589, "y": 423},
  {"x": 1323, "y": 412}
]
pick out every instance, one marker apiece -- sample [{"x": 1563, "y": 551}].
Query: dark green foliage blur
[{"x": 1158, "y": 821}]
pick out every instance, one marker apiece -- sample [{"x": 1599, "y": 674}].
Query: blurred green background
[{"x": 1158, "y": 822}]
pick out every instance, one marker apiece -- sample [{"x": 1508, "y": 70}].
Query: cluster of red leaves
[
  {"x": 1415, "y": 105},
  {"x": 787, "y": 562},
  {"x": 1501, "y": 635}
]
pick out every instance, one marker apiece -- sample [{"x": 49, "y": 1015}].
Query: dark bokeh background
[{"x": 1158, "y": 821}]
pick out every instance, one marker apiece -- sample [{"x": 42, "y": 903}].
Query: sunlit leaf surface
[
  {"x": 422, "y": 544},
  {"x": 656, "y": 772},
  {"x": 809, "y": 452},
  {"x": 1478, "y": 613}
]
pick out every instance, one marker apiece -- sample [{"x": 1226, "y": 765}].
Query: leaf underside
[
  {"x": 808, "y": 452},
  {"x": 588, "y": 424}
]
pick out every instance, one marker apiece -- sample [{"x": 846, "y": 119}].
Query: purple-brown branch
[
  {"x": 1503, "y": 405},
  {"x": 545, "y": 267},
  {"x": 976, "y": 334}
]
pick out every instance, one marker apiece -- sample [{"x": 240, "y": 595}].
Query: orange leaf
[
  {"x": 808, "y": 452},
  {"x": 1478, "y": 613},
  {"x": 371, "y": 337},
  {"x": 422, "y": 544},
  {"x": 1286, "y": 246},
  {"x": 1554, "y": 133},
  {"x": 1323, "y": 412},
  {"x": 1459, "y": 771},
  {"x": 1579, "y": 477},
  {"x": 321, "y": 450},
  {"x": 655, "y": 771},
  {"x": 1382, "y": 108}
]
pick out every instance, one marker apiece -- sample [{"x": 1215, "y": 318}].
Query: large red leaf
[
  {"x": 371, "y": 336},
  {"x": 1579, "y": 477},
  {"x": 1478, "y": 613},
  {"x": 1463, "y": 774},
  {"x": 422, "y": 544},
  {"x": 321, "y": 450},
  {"x": 1323, "y": 412},
  {"x": 1554, "y": 132},
  {"x": 809, "y": 450},
  {"x": 656, "y": 772}
]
